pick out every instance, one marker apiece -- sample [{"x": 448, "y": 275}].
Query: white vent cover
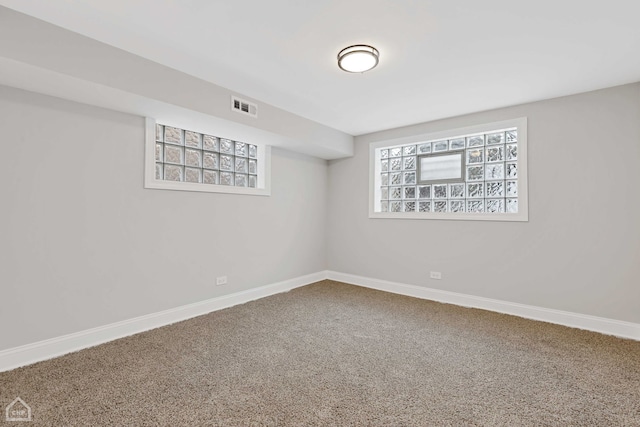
[{"x": 244, "y": 107}]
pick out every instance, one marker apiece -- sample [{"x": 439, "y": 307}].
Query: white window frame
[
  {"x": 523, "y": 198},
  {"x": 150, "y": 181}
]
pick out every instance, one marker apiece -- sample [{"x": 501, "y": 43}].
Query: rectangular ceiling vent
[{"x": 244, "y": 107}]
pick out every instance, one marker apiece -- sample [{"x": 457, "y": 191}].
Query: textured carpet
[{"x": 334, "y": 354}]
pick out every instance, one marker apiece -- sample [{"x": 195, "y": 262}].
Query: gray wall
[
  {"x": 580, "y": 250},
  {"x": 83, "y": 244}
]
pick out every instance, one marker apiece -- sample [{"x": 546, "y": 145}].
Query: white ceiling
[{"x": 438, "y": 58}]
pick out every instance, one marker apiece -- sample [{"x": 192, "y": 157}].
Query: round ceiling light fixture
[{"x": 358, "y": 58}]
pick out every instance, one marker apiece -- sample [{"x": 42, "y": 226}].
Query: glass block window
[
  {"x": 186, "y": 156},
  {"x": 183, "y": 159},
  {"x": 478, "y": 174}
]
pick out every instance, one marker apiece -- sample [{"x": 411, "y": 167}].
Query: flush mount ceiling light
[{"x": 358, "y": 58}]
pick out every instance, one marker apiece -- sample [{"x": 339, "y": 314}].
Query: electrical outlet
[
  {"x": 222, "y": 280},
  {"x": 435, "y": 275}
]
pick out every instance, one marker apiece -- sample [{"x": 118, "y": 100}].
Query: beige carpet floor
[{"x": 331, "y": 354}]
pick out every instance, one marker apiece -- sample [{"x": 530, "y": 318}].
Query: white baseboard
[
  {"x": 581, "y": 321},
  {"x": 27, "y": 354},
  {"x": 24, "y": 355}
]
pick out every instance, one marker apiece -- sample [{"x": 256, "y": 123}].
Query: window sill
[{"x": 511, "y": 217}]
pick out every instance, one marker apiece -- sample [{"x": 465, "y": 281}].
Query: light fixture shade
[{"x": 358, "y": 58}]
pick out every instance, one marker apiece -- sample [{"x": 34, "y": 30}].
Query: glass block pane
[
  {"x": 409, "y": 163},
  {"x": 173, "y": 154},
  {"x": 253, "y": 181},
  {"x": 475, "y": 206},
  {"x": 494, "y": 205},
  {"x": 384, "y": 193},
  {"x": 409, "y": 177},
  {"x": 395, "y": 206},
  {"x": 242, "y": 180},
  {"x": 210, "y": 143},
  {"x": 226, "y": 146},
  {"x": 491, "y": 175},
  {"x": 495, "y": 153},
  {"x": 159, "y": 156},
  {"x": 456, "y": 191},
  {"x": 241, "y": 165},
  {"x": 253, "y": 167},
  {"x": 384, "y": 206},
  {"x": 210, "y": 160},
  {"x": 440, "y": 146},
  {"x": 495, "y": 138},
  {"x": 440, "y": 206},
  {"x": 226, "y": 162},
  {"x": 253, "y": 151},
  {"x": 409, "y": 192},
  {"x": 475, "y": 141},
  {"x": 494, "y": 171},
  {"x": 440, "y": 191},
  {"x": 409, "y": 206},
  {"x": 192, "y": 139},
  {"x": 172, "y": 173},
  {"x": 158, "y": 171},
  {"x": 424, "y": 191},
  {"x": 475, "y": 173},
  {"x": 172, "y": 135},
  {"x": 409, "y": 150},
  {"x": 226, "y": 178},
  {"x": 192, "y": 175},
  {"x": 395, "y": 193},
  {"x": 210, "y": 177},
  {"x": 159, "y": 132},
  {"x": 424, "y": 148},
  {"x": 424, "y": 206},
  {"x": 193, "y": 158},
  {"x": 475, "y": 189},
  {"x": 495, "y": 189},
  {"x": 241, "y": 149},
  {"x": 475, "y": 156},
  {"x": 456, "y": 144},
  {"x": 456, "y": 206}
]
